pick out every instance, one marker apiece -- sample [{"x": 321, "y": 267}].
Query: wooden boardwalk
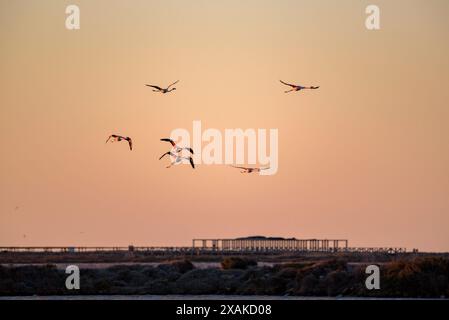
[{"x": 250, "y": 245}]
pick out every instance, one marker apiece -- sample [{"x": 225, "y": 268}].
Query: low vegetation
[
  {"x": 237, "y": 263},
  {"x": 419, "y": 277}
]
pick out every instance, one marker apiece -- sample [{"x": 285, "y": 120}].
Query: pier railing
[{"x": 199, "y": 250}]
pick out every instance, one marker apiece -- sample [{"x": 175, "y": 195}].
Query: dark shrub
[
  {"x": 425, "y": 277},
  {"x": 102, "y": 286},
  {"x": 308, "y": 285},
  {"x": 287, "y": 273},
  {"x": 181, "y": 266},
  {"x": 237, "y": 263},
  {"x": 314, "y": 280},
  {"x": 199, "y": 281},
  {"x": 336, "y": 282},
  {"x": 158, "y": 286},
  {"x": 259, "y": 281}
]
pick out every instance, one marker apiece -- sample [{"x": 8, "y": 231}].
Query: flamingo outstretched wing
[
  {"x": 191, "y": 162},
  {"x": 153, "y": 86},
  {"x": 243, "y": 168},
  {"x": 288, "y": 84},
  {"x": 168, "y": 152},
  {"x": 169, "y": 140},
  {"x": 173, "y": 84}
]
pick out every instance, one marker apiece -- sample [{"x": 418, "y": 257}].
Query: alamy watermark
[
  {"x": 372, "y": 22},
  {"x": 232, "y": 146},
  {"x": 73, "y": 280},
  {"x": 373, "y": 280},
  {"x": 72, "y": 21}
]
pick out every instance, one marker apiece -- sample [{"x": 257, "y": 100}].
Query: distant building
[{"x": 270, "y": 244}]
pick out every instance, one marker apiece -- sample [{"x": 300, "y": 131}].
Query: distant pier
[
  {"x": 247, "y": 245},
  {"x": 261, "y": 244}
]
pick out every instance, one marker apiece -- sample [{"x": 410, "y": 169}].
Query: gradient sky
[{"x": 365, "y": 157}]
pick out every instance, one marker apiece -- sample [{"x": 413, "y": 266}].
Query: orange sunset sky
[{"x": 365, "y": 157}]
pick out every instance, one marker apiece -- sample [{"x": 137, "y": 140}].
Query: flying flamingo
[
  {"x": 163, "y": 90},
  {"x": 296, "y": 87},
  {"x": 250, "y": 170},
  {"x": 178, "y": 159},
  {"x": 115, "y": 137},
  {"x": 177, "y": 148}
]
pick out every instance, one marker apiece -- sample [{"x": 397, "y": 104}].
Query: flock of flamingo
[{"x": 176, "y": 151}]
